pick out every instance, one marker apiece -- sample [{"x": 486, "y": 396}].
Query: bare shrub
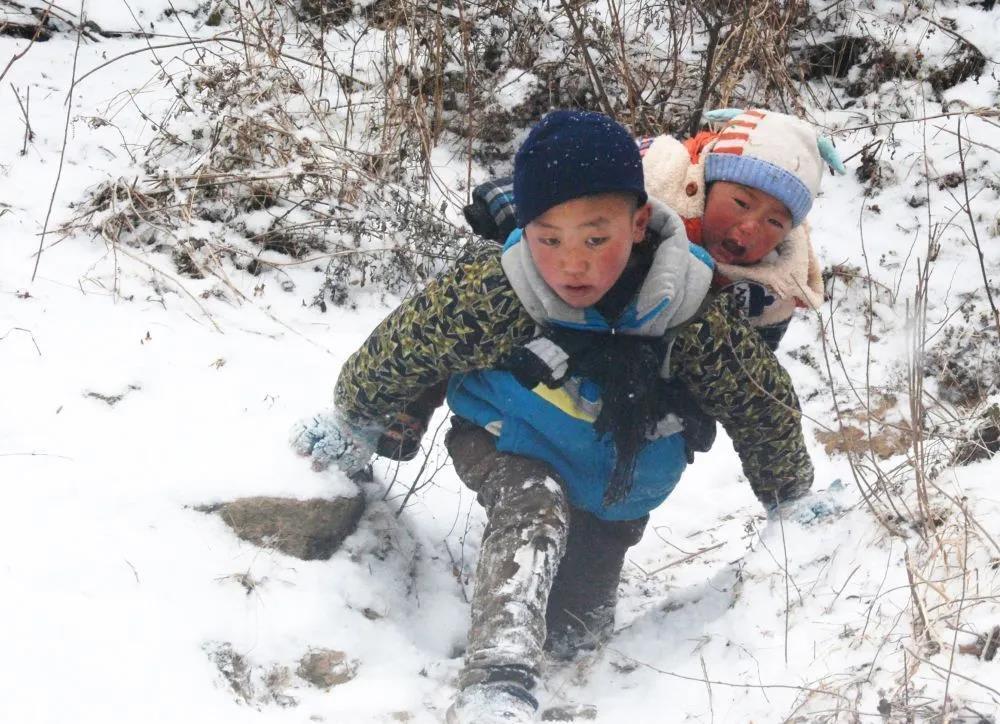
[{"x": 246, "y": 171}]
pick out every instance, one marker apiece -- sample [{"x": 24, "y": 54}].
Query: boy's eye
[
  {"x": 596, "y": 240},
  {"x": 741, "y": 203},
  {"x": 777, "y": 223},
  {"x": 548, "y": 241}
]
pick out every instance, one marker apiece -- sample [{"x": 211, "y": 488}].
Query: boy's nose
[
  {"x": 574, "y": 264},
  {"x": 749, "y": 226}
]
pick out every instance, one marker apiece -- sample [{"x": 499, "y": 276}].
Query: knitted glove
[
  {"x": 812, "y": 507},
  {"x": 540, "y": 361},
  {"x": 330, "y": 438},
  {"x": 492, "y": 212}
]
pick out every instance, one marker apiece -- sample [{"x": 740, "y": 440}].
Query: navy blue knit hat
[{"x": 570, "y": 154}]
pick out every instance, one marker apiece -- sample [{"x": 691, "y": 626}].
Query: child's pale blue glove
[
  {"x": 811, "y": 507},
  {"x": 329, "y": 438}
]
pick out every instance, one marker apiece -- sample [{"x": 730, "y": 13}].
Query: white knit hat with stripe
[{"x": 773, "y": 152}]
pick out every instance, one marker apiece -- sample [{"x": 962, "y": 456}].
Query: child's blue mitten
[
  {"x": 329, "y": 438},
  {"x": 811, "y": 508}
]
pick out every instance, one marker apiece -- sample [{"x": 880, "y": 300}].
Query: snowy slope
[{"x": 116, "y": 595}]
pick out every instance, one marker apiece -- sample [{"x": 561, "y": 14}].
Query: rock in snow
[{"x": 306, "y": 529}]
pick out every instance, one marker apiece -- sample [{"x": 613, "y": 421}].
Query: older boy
[{"x": 569, "y": 468}]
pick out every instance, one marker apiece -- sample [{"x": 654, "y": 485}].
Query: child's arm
[
  {"x": 467, "y": 319},
  {"x": 737, "y": 380},
  {"x": 772, "y": 334}
]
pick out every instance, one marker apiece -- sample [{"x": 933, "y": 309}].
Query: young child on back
[
  {"x": 744, "y": 193},
  {"x": 561, "y": 350}
]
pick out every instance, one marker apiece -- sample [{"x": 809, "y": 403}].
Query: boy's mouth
[
  {"x": 733, "y": 248},
  {"x": 575, "y": 292}
]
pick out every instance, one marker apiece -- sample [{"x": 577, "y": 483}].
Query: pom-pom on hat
[
  {"x": 773, "y": 152},
  {"x": 569, "y": 154}
]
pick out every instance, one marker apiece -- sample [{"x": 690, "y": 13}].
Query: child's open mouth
[{"x": 733, "y": 248}]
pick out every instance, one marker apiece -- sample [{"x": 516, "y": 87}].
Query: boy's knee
[
  {"x": 508, "y": 486},
  {"x": 473, "y": 452},
  {"x": 606, "y": 534},
  {"x": 527, "y": 496}
]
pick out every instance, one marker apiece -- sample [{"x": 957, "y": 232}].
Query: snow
[
  {"x": 515, "y": 87},
  {"x": 114, "y": 588}
]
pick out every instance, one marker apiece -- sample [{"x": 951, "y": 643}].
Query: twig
[
  {"x": 975, "y": 234},
  {"x": 423, "y": 466},
  {"x": 958, "y": 617},
  {"x": 731, "y": 684},
  {"x": 34, "y": 455},
  {"x": 38, "y": 31},
  {"x": 457, "y": 570},
  {"x": 829, "y": 608},
  {"x": 878, "y": 592},
  {"x": 686, "y": 558},
  {"x": 955, "y": 673},
  {"x": 957, "y": 36},
  {"x": 921, "y": 619},
  {"x": 175, "y": 281},
  {"x": 868, "y": 149},
  {"x": 714, "y": 30},
  {"x": 220, "y": 38},
  {"x": 708, "y": 685},
  {"x": 134, "y": 572},
  {"x": 595, "y": 79},
  {"x": 868, "y": 493},
  {"x": 27, "y": 332},
  {"x": 156, "y": 59},
  {"x": 177, "y": 17},
  {"x": 781, "y": 566},
  {"x": 784, "y": 548},
  {"x": 29, "y": 135},
  {"x": 981, "y": 112},
  {"x": 62, "y": 151}
]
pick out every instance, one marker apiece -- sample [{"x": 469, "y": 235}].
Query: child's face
[
  {"x": 742, "y": 225},
  {"x": 581, "y": 246}
]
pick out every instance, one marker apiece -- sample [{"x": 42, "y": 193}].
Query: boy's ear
[{"x": 640, "y": 220}]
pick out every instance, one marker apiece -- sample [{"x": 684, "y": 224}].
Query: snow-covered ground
[{"x": 115, "y": 592}]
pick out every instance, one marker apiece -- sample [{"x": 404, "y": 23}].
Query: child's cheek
[{"x": 759, "y": 248}]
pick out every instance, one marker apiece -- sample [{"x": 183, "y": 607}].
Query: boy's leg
[
  {"x": 523, "y": 543},
  {"x": 581, "y": 609}
]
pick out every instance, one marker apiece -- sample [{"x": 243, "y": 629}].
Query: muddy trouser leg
[
  {"x": 524, "y": 540},
  {"x": 581, "y": 610}
]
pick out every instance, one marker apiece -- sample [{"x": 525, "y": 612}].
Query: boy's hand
[
  {"x": 329, "y": 438},
  {"x": 811, "y": 507},
  {"x": 540, "y": 361}
]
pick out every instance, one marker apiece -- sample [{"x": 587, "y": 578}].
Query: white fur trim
[{"x": 668, "y": 170}]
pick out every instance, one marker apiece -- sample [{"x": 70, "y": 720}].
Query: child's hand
[
  {"x": 811, "y": 507},
  {"x": 540, "y": 361},
  {"x": 329, "y": 438}
]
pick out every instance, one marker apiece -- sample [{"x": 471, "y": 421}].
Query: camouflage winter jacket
[{"x": 471, "y": 319}]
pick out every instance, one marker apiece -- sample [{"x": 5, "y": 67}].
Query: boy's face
[
  {"x": 581, "y": 246},
  {"x": 742, "y": 225}
]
